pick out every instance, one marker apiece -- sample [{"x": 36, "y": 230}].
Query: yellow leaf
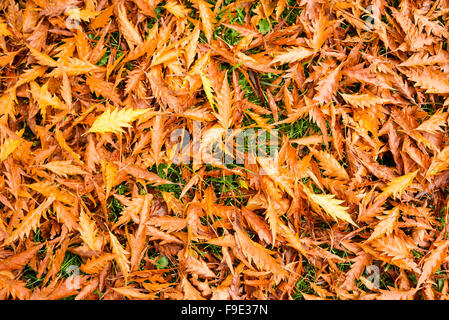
[
  {"x": 292, "y": 239},
  {"x": 363, "y": 100},
  {"x": 280, "y": 176},
  {"x": 273, "y": 219},
  {"x": 89, "y": 232},
  {"x": 176, "y": 9},
  {"x": 47, "y": 189},
  {"x": 386, "y": 225},
  {"x": 261, "y": 121},
  {"x": 116, "y": 120},
  {"x": 63, "y": 144},
  {"x": 8, "y": 147},
  {"x": 330, "y": 205},
  {"x": 7, "y": 102},
  {"x": 110, "y": 172},
  {"x": 225, "y": 100},
  {"x": 4, "y": 29},
  {"x": 80, "y": 14},
  {"x": 243, "y": 184},
  {"x": 44, "y": 98},
  {"x": 120, "y": 255},
  {"x": 322, "y": 29},
  {"x": 439, "y": 163},
  {"x": 398, "y": 185},
  {"x": 42, "y": 58},
  {"x": 208, "y": 90},
  {"x": 73, "y": 67}
]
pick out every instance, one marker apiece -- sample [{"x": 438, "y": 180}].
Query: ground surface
[{"x": 224, "y": 150}]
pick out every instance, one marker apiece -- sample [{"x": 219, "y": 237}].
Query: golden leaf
[
  {"x": 89, "y": 232},
  {"x": 120, "y": 255},
  {"x": 261, "y": 256},
  {"x": 398, "y": 185},
  {"x": 63, "y": 168},
  {"x": 116, "y": 120},
  {"x": 292, "y": 54},
  {"x": 8, "y": 147},
  {"x": 30, "y": 222},
  {"x": 330, "y": 205}
]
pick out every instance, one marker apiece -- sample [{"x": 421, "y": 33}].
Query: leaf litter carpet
[{"x": 123, "y": 175}]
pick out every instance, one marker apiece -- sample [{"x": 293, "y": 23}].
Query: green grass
[
  {"x": 112, "y": 42},
  {"x": 172, "y": 173},
  {"x": 71, "y": 260},
  {"x": 37, "y": 237},
  {"x": 298, "y": 129},
  {"x": 32, "y": 281},
  {"x": 115, "y": 208},
  {"x": 27, "y": 134},
  {"x": 386, "y": 279},
  {"x": 227, "y": 184},
  {"x": 162, "y": 263}
]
